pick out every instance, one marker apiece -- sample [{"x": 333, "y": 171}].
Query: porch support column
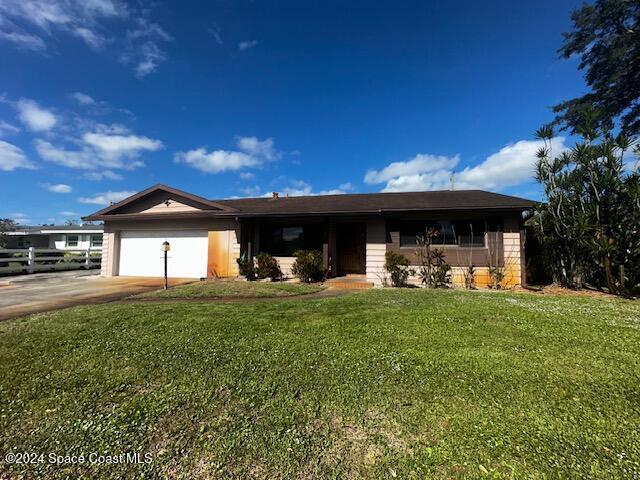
[
  {"x": 325, "y": 247},
  {"x": 376, "y": 249}
]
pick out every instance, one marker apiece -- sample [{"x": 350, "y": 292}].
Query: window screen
[
  {"x": 463, "y": 233},
  {"x": 284, "y": 240}
]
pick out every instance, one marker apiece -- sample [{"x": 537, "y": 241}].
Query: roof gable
[{"x": 163, "y": 199}]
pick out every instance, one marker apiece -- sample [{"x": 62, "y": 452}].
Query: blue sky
[{"x": 240, "y": 98}]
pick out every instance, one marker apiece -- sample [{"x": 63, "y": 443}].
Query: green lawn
[
  {"x": 231, "y": 288},
  {"x": 377, "y": 384}
]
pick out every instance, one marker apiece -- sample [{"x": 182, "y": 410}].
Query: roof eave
[{"x": 238, "y": 214}]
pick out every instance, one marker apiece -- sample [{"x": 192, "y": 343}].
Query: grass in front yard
[
  {"x": 233, "y": 288},
  {"x": 377, "y": 384}
]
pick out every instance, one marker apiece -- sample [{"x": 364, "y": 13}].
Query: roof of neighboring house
[
  {"x": 47, "y": 229},
  {"x": 361, "y": 203}
]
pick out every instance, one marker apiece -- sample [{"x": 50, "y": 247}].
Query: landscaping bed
[{"x": 409, "y": 383}]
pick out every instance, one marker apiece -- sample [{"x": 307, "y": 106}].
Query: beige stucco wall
[
  {"x": 285, "y": 265},
  {"x": 376, "y": 248}
]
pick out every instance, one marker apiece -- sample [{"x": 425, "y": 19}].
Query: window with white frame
[
  {"x": 96, "y": 240},
  {"x": 72, "y": 241}
]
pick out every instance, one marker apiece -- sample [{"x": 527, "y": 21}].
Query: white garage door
[{"x": 141, "y": 254}]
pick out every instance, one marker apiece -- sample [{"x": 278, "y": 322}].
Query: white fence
[{"x": 32, "y": 259}]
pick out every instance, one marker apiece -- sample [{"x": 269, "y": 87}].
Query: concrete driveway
[{"x": 41, "y": 292}]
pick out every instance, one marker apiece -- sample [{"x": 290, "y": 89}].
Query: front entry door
[{"x": 351, "y": 248}]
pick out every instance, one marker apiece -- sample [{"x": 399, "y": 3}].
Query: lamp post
[{"x": 165, "y": 248}]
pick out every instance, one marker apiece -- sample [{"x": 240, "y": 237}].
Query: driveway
[{"x": 41, "y": 292}]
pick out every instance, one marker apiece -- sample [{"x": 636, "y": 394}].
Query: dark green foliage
[
  {"x": 398, "y": 267},
  {"x": 606, "y": 36},
  {"x": 470, "y": 277},
  {"x": 434, "y": 271},
  {"x": 267, "y": 267},
  {"x": 589, "y": 227},
  {"x": 6, "y": 225},
  {"x": 246, "y": 266},
  {"x": 308, "y": 266}
]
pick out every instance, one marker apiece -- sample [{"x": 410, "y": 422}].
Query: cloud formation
[
  {"x": 58, "y": 188},
  {"x": 28, "y": 23},
  {"x": 106, "y": 198},
  {"x": 297, "y": 188},
  {"x": 12, "y": 157},
  {"x": 251, "y": 152},
  {"x": 33, "y": 24},
  {"x": 247, "y": 44},
  {"x": 34, "y": 117},
  {"x": 511, "y": 165},
  {"x": 421, "y": 163},
  {"x": 101, "y": 152},
  {"x": 82, "y": 98},
  {"x": 7, "y": 128},
  {"x": 143, "y": 49}
]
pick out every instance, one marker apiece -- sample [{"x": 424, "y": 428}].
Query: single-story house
[
  {"x": 59, "y": 237},
  {"x": 353, "y": 232}
]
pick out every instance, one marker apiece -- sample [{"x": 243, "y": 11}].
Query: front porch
[{"x": 347, "y": 245}]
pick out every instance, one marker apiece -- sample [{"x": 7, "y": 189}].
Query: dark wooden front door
[{"x": 351, "y": 248}]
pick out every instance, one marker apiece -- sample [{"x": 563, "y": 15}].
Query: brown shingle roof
[
  {"x": 378, "y": 202},
  {"x": 361, "y": 203}
]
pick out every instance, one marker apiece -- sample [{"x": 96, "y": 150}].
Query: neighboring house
[
  {"x": 352, "y": 231},
  {"x": 59, "y": 237}
]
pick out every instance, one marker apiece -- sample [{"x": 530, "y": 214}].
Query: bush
[
  {"x": 308, "y": 266},
  {"x": 398, "y": 267},
  {"x": 267, "y": 267},
  {"x": 246, "y": 267},
  {"x": 434, "y": 270}
]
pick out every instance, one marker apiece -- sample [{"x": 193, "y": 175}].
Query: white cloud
[
  {"x": 247, "y": 176},
  {"x": 91, "y": 38},
  {"x": 215, "y": 31},
  {"x": 258, "y": 148},
  {"x": 115, "y": 147},
  {"x": 511, "y": 165},
  {"x": 143, "y": 50},
  {"x": 20, "y": 218},
  {"x": 84, "y": 159},
  {"x": 101, "y": 151},
  {"x": 68, "y": 213},
  {"x": 12, "y": 157},
  {"x": 421, "y": 163},
  {"x": 438, "y": 180},
  {"x": 106, "y": 198},
  {"x": 251, "y": 191},
  {"x": 251, "y": 152},
  {"x": 78, "y": 18},
  {"x": 82, "y": 98},
  {"x": 25, "y": 41},
  {"x": 216, "y": 161},
  {"x": 58, "y": 188},
  {"x": 103, "y": 175},
  {"x": 247, "y": 44},
  {"x": 35, "y": 117},
  {"x": 7, "y": 128},
  {"x": 88, "y": 20},
  {"x": 297, "y": 188}
]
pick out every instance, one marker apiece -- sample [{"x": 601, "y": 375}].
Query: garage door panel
[{"x": 141, "y": 254}]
